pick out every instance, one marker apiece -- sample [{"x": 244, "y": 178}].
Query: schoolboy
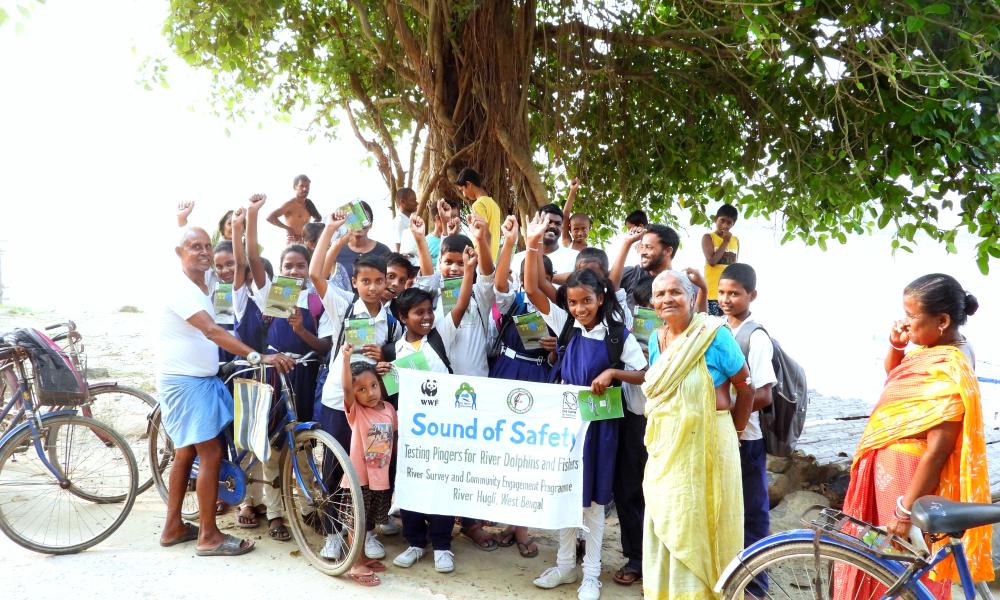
[{"x": 737, "y": 289}]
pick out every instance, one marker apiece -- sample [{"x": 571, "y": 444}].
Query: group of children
[{"x": 588, "y": 305}]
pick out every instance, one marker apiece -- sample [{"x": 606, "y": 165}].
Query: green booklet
[
  {"x": 356, "y": 217},
  {"x": 645, "y": 324},
  {"x": 283, "y": 297},
  {"x": 359, "y": 332},
  {"x": 223, "y": 300},
  {"x": 416, "y": 361},
  {"x": 449, "y": 293},
  {"x": 531, "y": 328},
  {"x": 598, "y": 408}
]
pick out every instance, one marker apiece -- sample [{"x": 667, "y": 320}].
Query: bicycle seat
[{"x": 934, "y": 514}]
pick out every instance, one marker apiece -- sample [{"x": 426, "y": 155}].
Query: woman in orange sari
[{"x": 925, "y": 435}]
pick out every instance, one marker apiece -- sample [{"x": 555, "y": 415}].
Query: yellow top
[
  {"x": 486, "y": 208},
  {"x": 714, "y": 273}
]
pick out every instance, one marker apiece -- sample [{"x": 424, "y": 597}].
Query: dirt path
[{"x": 131, "y": 564}]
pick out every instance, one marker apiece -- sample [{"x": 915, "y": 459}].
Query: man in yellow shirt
[{"x": 470, "y": 185}]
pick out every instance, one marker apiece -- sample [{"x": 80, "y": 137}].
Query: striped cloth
[{"x": 251, "y": 409}]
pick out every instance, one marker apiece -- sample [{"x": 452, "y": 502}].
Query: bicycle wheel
[
  {"x": 161, "y": 456},
  {"x": 126, "y": 410},
  {"x": 789, "y": 571},
  {"x": 40, "y": 514},
  {"x": 314, "y": 514}
]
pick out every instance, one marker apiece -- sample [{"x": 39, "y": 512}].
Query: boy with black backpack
[{"x": 737, "y": 289}]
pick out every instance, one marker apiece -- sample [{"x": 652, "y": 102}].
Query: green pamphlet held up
[
  {"x": 449, "y": 293},
  {"x": 416, "y": 361},
  {"x": 283, "y": 297},
  {"x": 599, "y": 408},
  {"x": 531, "y": 329}
]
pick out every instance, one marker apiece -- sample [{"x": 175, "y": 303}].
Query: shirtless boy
[{"x": 296, "y": 211}]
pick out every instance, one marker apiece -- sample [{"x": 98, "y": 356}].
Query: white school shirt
[
  {"x": 468, "y": 350},
  {"x": 505, "y": 299},
  {"x": 447, "y": 330},
  {"x": 761, "y": 373},
  {"x": 183, "y": 349},
  {"x": 632, "y": 355},
  {"x": 337, "y": 305},
  {"x": 259, "y": 296}
]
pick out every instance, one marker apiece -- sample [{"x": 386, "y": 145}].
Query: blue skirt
[{"x": 194, "y": 409}]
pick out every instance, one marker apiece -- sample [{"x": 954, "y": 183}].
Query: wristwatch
[{"x": 253, "y": 358}]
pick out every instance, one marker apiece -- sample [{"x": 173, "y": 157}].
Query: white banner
[{"x": 493, "y": 449}]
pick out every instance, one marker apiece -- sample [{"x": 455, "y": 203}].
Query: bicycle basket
[
  {"x": 56, "y": 381},
  {"x": 864, "y": 536}
]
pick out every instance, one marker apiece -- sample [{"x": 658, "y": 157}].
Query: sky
[{"x": 92, "y": 167}]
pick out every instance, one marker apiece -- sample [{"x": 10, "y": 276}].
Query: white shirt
[
  {"x": 403, "y": 236},
  {"x": 468, "y": 351},
  {"x": 183, "y": 349},
  {"x": 447, "y": 330},
  {"x": 632, "y": 355},
  {"x": 563, "y": 261},
  {"x": 761, "y": 373},
  {"x": 337, "y": 306}
]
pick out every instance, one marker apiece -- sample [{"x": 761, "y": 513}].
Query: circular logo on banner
[{"x": 519, "y": 401}]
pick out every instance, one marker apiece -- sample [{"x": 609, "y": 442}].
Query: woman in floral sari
[
  {"x": 925, "y": 435},
  {"x": 692, "y": 483}
]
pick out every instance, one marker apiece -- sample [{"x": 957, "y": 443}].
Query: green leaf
[
  {"x": 937, "y": 9},
  {"x": 3, "y": 16},
  {"x": 983, "y": 262},
  {"x": 914, "y": 23}
]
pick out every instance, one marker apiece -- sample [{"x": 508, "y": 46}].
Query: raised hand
[
  {"x": 634, "y": 234},
  {"x": 471, "y": 261},
  {"x": 696, "y": 278},
  {"x": 445, "y": 210},
  {"x": 574, "y": 185},
  {"x": 509, "y": 229},
  {"x": 336, "y": 219},
  {"x": 184, "y": 211},
  {"x": 256, "y": 202},
  {"x": 239, "y": 219},
  {"x": 479, "y": 228},
  {"x": 417, "y": 227},
  {"x": 453, "y": 226},
  {"x": 537, "y": 227},
  {"x": 347, "y": 349}
]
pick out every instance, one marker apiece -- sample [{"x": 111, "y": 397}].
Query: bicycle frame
[{"x": 898, "y": 567}]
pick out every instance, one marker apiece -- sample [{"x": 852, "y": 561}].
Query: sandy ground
[{"x": 130, "y": 564}]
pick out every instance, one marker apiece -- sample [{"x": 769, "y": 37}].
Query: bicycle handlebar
[
  {"x": 302, "y": 360},
  {"x": 69, "y": 325}
]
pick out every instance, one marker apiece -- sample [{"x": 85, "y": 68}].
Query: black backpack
[
  {"x": 781, "y": 423},
  {"x": 57, "y": 381},
  {"x": 615, "y": 343}
]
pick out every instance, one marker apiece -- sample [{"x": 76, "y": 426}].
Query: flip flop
[
  {"x": 247, "y": 521},
  {"x": 278, "y": 532},
  {"x": 230, "y": 546},
  {"x": 488, "y": 544},
  {"x": 525, "y": 551},
  {"x": 369, "y": 579},
  {"x": 506, "y": 538},
  {"x": 626, "y": 575},
  {"x": 375, "y": 565},
  {"x": 190, "y": 535}
]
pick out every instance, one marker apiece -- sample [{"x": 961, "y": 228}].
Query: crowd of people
[{"x": 692, "y": 392}]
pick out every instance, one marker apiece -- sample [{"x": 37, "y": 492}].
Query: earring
[{"x": 940, "y": 329}]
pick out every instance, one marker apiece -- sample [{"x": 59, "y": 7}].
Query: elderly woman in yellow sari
[
  {"x": 692, "y": 485},
  {"x": 925, "y": 435}
]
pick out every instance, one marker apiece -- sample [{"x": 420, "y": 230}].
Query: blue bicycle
[
  {"x": 801, "y": 564},
  {"x": 319, "y": 488}
]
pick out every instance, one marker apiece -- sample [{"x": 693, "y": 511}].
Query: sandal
[
  {"x": 375, "y": 565},
  {"x": 247, "y": 521},
  {"x": 230, "y": 546},
  {"x": 278, "y": 532},
  {"x": 190, "y": 534},
  {"x": 369, "y": 579},
  {"x": 221, "y": 508},
  {"x": 528, "y": 549},
  {"x": 627, "y": 575},
  {"x": 486, "y": 542},
  {"x": 507, "y": 538}
]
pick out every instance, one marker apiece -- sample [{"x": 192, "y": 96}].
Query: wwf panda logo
[{"x": 429, "y": 387}]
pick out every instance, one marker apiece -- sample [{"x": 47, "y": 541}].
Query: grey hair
[{"x": 690, "y": 289}]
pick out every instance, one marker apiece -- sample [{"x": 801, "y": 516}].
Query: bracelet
[
  {"x": 739, "y": 432},
  {"x": 531, "y": 249},
  {"x": 745, "y": 383},
  {"x": 897, "y": 348},
  {"x": 901, "y": 513}
]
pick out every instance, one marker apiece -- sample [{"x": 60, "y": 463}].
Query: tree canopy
[{"x": 842, "y": 115}]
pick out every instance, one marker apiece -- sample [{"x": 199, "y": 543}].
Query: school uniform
[
  {"x": 419, "y": 527},
  {"x": 468, "y": 354},
  {"x": 514, "y": 361},
  {"x": 584, "y": 358}
]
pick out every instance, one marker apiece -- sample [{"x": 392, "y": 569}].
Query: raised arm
[
  {"x": 253, "y": 249},
  {"x": 317, "y": 266},
  {"x": 331, "y": 255},
  {"x": 618, "y": 267},
  {"x": 699, "y": 281},
  {"x": 346, "y": 379},
  {"x": 423, "y": 252},
  {"x": 465, "y": 292},
  {"x": 509, "y": 231},
  {"x": 183, "y": 212},
  {"x": 275, "y": 217},
  {"x": 899, "y": 337},
  {"x": 533, "y": 262},
  {"x": 574, "y": 186},
  {"x": 481, "y": 240},
  {"x": 239, "y": 250}
]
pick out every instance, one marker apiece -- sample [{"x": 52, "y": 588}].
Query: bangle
[
  {"x": 745, "y": 383},
  {"x": 532, "y": 249},
  {"x": 901, "y": 513},
  {"x": 895, "y": 347},
  {"x": 739, "y": 432}
]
